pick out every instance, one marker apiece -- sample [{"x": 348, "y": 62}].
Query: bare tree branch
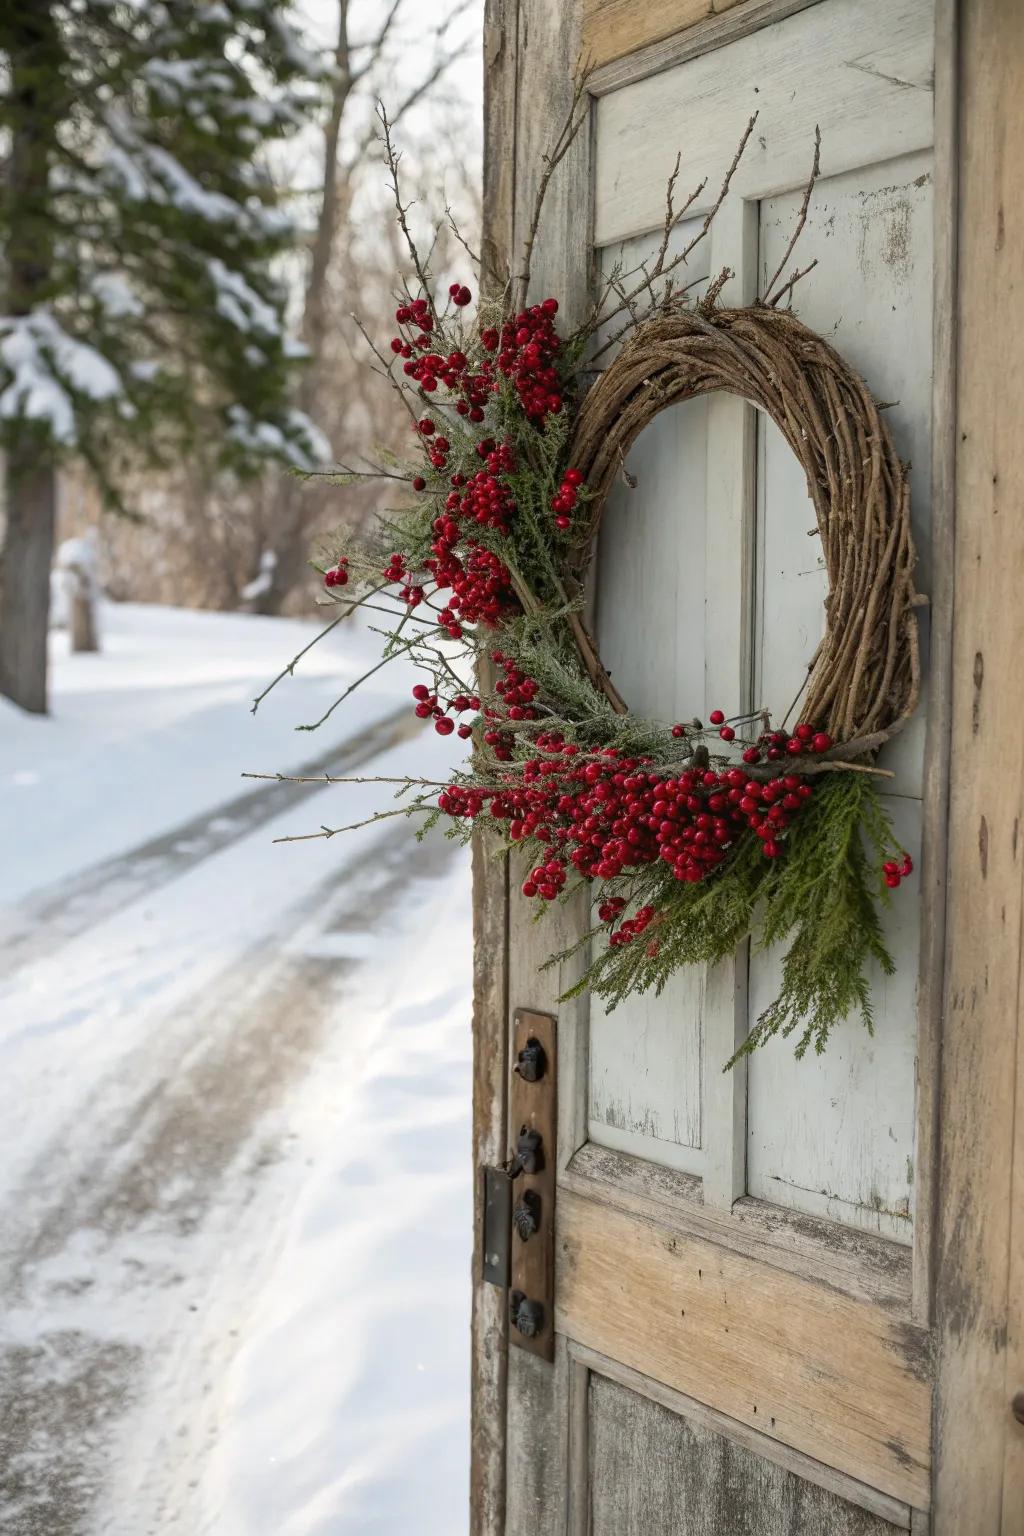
[{"x": 801, "y": 221}]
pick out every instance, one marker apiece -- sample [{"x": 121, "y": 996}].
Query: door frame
[{"x": 529, "y": 40}]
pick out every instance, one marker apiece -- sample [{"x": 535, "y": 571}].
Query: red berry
[
  {"x": 804, "y": 732},
  {"x": 821, "y": 742},
  {"x": 727, "y": 733},
  {"x": 716, "y": 717},
  {"x": 426, "y": 426},
  {"x": 678, "y": 730},
  {"x": 418, "y": 483},
  {"x": 444, "y": 726},
  {"x": 751, "y": 755},
  {"x": 421, "y": 691}
]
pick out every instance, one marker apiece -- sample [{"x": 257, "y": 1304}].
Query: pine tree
[{"x": 139, "y": 232}]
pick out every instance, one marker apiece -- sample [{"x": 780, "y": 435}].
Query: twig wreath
[{"x": 692, "y": 836}]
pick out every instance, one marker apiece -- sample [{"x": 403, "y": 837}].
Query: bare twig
[
  {"x": 369, "y": 821},
  {"x": 788, "y": 288},
  {"x": 660, "y": 268},
  {"x": 800, "y": 222},
  {"x": 400, "y": 650},
  {"x": 289, "y": 670},
  {"x": 408, "y": 780}
]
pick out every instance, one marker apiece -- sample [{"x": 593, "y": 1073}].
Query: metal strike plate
[
  {"x": 497, "y": 1226},
  {"x": 533, "y": 1108}
]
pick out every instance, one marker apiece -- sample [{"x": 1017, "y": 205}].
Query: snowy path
[{"x": 234, "y": 1197}]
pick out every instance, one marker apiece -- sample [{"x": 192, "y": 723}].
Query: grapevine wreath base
[{"x": 691, "y": 836}]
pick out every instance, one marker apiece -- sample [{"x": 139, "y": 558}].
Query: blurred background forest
[{"x": 198, "y": 533}]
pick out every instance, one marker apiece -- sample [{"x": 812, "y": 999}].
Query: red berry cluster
[
  {"x": 526, "y": 348},
  {"x": 566, "y": 497},
  {"x": 777, "y": 745},
  {"x": 633, "y": 927},
  {"x": 438, "y": 447},
  {"x": 893, "y": 872},
  {"x": 429, "y": 369},
  {"x": 517, "y": 693},
  {"x": 546, "y": 881},
  {"x": 428, "y": 705},
  {"x": 338, "y": 575}
]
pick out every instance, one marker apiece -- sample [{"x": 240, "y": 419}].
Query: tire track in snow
[
  {"x": 57, "y": 913},
  {"x": 102, "y": 1292}
]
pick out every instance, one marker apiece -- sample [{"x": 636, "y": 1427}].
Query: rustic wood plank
[
  {"x": 762, "y": 1446},
  {"x": 538, "y": 1393},
  {"x": 710, "y": 1483},
  {"x": 868, "y": 87},
  {"x": 488, "y": 1383},
  {"x": 830, "y": 1376},
  {"x": 979, "y": 1447},
  {"x": 612, "y": 28},
  {"x": 501, "y": 30},
  {"x": 935, "y": 775},
  {"x": 862, "y": 1265},
  {"x": 489, "y": 1306},
  {"x": 715, "y": 30}
]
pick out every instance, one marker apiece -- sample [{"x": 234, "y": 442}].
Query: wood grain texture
[
  {"x": 489, "y": 1305},
  {"x": 612, "y": 28},
  {"x": 935, "y": 758},
  {"x": 714, "y": 29},
  {"x": 812, "y": 1368},
  {"x": 488, "y": 1371},
  {"x": 762, "y": 1446},
  {"x": 868, "y": 86},
  {"x": 697, "y": 1482},
  {"x": 547, "y": 44},
  {"x": 861, "y": 1265},
  {"x": 980, "y": 1271}
]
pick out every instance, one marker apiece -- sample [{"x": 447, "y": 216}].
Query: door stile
[
  {"x": 935, "y": 789},
  {"x": 539, "y": 1449},
  {"x": 728, "y": 632}
]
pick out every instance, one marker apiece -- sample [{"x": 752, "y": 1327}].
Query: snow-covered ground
[{"x": 234, "y": 1102}]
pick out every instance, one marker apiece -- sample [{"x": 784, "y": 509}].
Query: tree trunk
[
  {"x": 30, "y": 37},
  {"x": 289, "y": 538},
  {"x": 25, "y": 582}
]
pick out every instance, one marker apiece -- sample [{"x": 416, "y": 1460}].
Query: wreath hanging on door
[{"x": 689, "y": 836}]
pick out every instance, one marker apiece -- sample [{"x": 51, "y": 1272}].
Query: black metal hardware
[
  {"x": 526, "y": 1316},
  {"x": 494, "y": 1261},
  {"x": 529, "y": 1156},
  {"x": 1017, "y": 1407},
  {"x": 526, "y": 1215},
  {"x": 531, "y": 1062}
]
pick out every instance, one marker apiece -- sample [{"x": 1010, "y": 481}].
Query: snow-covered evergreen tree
[{"x": 138, "y": 234}]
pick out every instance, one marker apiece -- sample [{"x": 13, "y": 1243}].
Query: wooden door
[{"x": 743, "y": 1280}]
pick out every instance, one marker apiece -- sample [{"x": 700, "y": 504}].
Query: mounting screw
[
  {"x": 529, "y": 1156},
  {"x": 525, "y": 1315},
  {"x": 526, "y": 1216},
  {"x": 531, "y": 1062}
]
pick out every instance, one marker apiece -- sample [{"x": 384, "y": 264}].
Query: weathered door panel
[{"x": 741, "y": 1342}]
